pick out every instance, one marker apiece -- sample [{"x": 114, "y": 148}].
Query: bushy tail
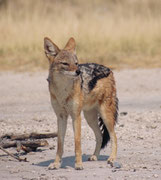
[{"x": 104, "y": 131}]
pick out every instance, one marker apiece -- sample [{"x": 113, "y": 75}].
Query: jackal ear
[
  {"x": 71, "y": 45},
  {"x": 50, "y": 48}
]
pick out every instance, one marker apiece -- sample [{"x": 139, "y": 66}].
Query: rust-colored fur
[{"x": 81, "y": 87}]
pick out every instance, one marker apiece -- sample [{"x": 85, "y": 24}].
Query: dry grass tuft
[{"x": 116, "y": 33}]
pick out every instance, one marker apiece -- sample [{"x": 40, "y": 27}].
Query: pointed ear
[
  {"x": 71, "y": 45},
  {"x": 50, "y": 48}
]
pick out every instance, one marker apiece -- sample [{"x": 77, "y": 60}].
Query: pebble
[
  {"x": 31, "y": 153},
  {"x": 114, "y": 170},
  {"x": 121, "y": 125},
  {"x": 14, "y": 171},
  {"x": 139, "y": 137},
  {"x": 117, "y": 165},
  {"x": 101, "y": 166},
  {"x": 52, "y": 147},
  {"x": 68, "y": 170},
  {"x": 155, "y": 175},
  {"x": 123, "y": 113},
  {"x": 144, "y": 167}
]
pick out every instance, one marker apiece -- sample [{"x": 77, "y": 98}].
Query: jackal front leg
[
  {"x": 77, "y": 138},
  {"x": 61, "y": 125}
]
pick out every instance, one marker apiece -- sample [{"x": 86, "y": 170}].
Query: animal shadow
[{"x": 70, "y": 161}]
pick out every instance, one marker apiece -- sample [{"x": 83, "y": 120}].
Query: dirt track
[{"x": 25, "y": 107}]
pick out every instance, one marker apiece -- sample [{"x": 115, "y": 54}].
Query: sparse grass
[{"x": 119, "y": 34}]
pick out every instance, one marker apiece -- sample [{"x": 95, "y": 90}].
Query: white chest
[{"x": 62, "y": 89}]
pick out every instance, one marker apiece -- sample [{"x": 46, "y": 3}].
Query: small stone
[
  {"x": 69, "y": 170},
  {"x": 114, "y": 170},
  {"x": 123, "y": 113},
  {"x": 63, "y": 177},
  {"x": 121, "y": 125},
  {"x": 108, "y": 165},
  {"x": 100, "y": 166},
  {"x": 153, "y": 127},
  {"x": 155, "y": 175},
  {"x": 14, "y": 171},
  {"x": 117, "y": 165},
  {"x": 145, "y": 167},
  {"x": 139, "y": 137},
  {"x": 52, "y": 147},
  {"x": 31, "y": 153}
]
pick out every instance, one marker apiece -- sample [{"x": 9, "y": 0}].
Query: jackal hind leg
[
  {"x": 108, "y": 115},
  {"x": 92, "y": 120},
  {"x": 61, "y": 126}
]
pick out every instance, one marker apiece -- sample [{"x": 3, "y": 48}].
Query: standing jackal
[{"x": 75, "y": 87}]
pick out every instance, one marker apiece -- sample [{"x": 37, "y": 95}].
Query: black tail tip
[{"x": 105, "y": 133}]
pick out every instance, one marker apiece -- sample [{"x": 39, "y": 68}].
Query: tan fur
[{"x": 69, "y": 98}]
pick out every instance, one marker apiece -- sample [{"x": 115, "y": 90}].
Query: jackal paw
[
  {"x": 111, "y": 160},
  {"x": 78, "y": 166},
  {"x": 92, "y": 158},
  {"x": 54, "y": 166}
]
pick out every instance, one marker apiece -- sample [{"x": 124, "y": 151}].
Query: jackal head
[{"x": 62, "y": 61}]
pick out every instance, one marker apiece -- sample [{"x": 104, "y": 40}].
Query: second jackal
[{"x": 77, "y": 87}]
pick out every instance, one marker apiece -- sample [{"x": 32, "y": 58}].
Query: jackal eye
[
  {"x": 64, "y": 63},
  {"x": 76, "y": 64}
]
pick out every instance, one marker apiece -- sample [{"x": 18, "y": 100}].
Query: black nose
[{"x": 77, "y": 72}]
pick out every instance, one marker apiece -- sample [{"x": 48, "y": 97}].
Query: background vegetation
[{"x": 117, "y": 33}]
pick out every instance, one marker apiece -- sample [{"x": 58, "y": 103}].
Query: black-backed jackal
[{"x": 75, "y": 87}]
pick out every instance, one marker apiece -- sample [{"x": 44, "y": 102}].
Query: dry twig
[{"x": 10, "y": 154}]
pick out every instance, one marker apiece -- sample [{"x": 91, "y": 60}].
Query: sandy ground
[{"x": 25, "y": 107}]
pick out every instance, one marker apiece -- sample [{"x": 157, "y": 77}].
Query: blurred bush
[{"x": 112, "y": 32}]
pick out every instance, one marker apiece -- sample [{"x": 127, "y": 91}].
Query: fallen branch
[
  {"x": 30, "y": 136},
  {"x": 10, "y": 154},
  {"x": 25, "y": 142},
  {"x": 33, "y": 144}
]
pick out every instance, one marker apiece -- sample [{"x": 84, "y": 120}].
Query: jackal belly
[{"x": 90, "y": 103}]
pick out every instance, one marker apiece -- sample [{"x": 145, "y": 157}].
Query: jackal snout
[{"x": 77, "y": 72}]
